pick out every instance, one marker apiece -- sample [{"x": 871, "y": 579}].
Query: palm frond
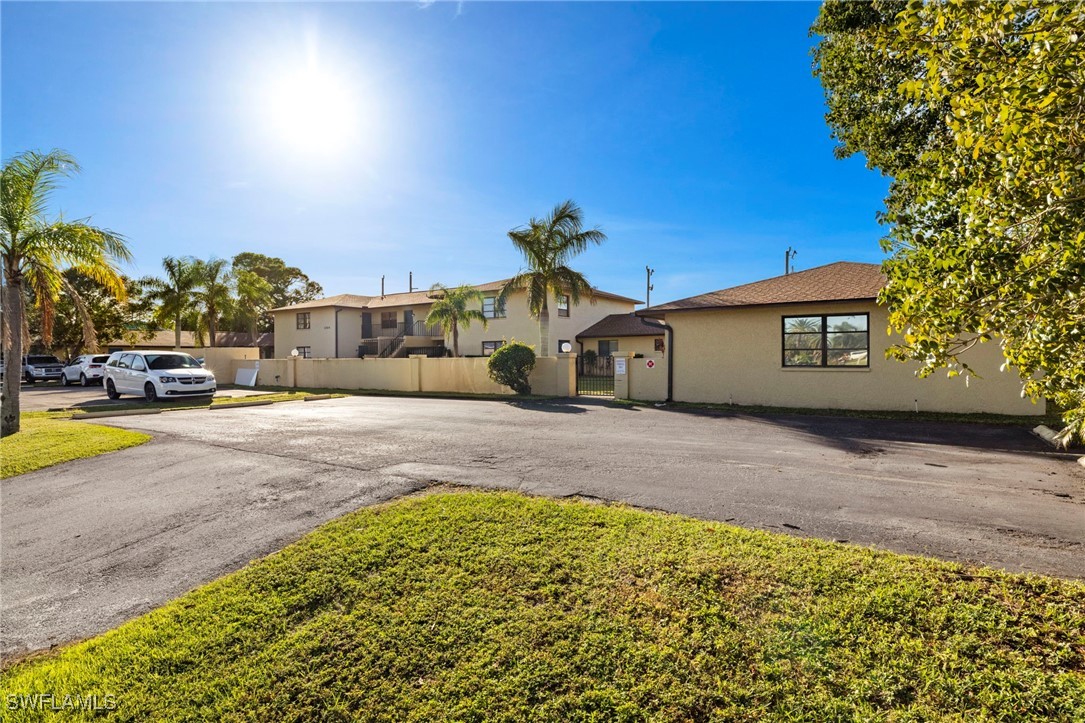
[{"x": 90, "y": 334}]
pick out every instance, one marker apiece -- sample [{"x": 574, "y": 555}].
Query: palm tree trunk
[
  {"x": 211, "y": 325},
  {"x": 252, "y": 330},
  {"x": 544, "y": 330},
  {"x": 13, "y": 358},
  {"x": 177, "y": 332},
  {"x": 455, "y": 340}
]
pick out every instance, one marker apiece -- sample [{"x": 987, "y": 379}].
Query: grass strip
[
  {"x": 500, "y": 607},
  {"x": 47, "y": 439}
]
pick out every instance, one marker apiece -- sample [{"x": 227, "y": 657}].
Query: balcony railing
[
  {"x": 391, "y": 342},
  {"x": 416, "y": 328}
]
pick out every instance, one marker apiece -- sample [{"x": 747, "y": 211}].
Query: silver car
[{"x": 86, "y": 369}]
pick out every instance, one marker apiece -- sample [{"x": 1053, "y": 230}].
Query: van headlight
[{"x": 167, "y": 380}]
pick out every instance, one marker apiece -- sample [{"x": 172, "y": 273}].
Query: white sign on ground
[
  {"x": 619, "y": 365},
  {"x": 245, "y": 377}
]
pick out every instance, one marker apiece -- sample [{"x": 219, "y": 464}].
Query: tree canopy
[
  {"x": 289, "y": 285},
  {"x": 548, "y": 245},
  {"x": 977, "y": 112},
  {"x": 450, "y": 310},
  {"x": 35, "y": 250}
]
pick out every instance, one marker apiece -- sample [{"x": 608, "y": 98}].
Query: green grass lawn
[
  {"x": 495, "y": 606},
  {"x": 44, "y": 440}
]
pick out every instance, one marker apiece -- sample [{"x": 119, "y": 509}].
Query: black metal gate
[{"x": 595, "y": 376}]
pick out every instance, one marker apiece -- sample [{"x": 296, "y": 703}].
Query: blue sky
[{"x": 692, "y": 133}]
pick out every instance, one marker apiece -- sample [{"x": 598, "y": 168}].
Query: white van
[{"x": 156, "y": 375}]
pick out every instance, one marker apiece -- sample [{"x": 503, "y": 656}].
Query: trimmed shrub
[
  {"x": 511, "y": 365},
  {"x": 589, "y": 356}
]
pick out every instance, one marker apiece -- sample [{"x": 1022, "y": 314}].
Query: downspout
[
  {"x": 337, "y": 333},
  {"x": 670, "y": 362}
]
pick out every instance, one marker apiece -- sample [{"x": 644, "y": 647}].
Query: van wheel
[
  {"x": 111, "y": 391},
  {"x": 149, "y": 392}
]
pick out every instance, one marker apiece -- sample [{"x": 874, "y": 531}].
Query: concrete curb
[
  {"x": 317, "y": 397},
  {"x": 235, "y": 405},
  {"x": 1045, "y": 433},
  {"x": 114, "y": 413},
  {"x": 1081, "y": 461}
]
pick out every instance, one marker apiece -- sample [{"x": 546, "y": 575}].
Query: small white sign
[
  {"x": 650, "y": 364},
  {"x": 619, "y": 365},
  {"x": 245, "y": 378}
]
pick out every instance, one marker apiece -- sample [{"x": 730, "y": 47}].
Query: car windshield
[
  {"x": 171, "y": 361},
  {"x": 42, "y": 360}
]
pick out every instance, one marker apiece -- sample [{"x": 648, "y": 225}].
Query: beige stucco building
[
  {"x": 393, "y": 325},
  {"x": 619, "y": 333},
  {"x": 817, "y": 339}
]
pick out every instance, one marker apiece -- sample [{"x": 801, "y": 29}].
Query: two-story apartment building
[{"x": 393, "y": 325}]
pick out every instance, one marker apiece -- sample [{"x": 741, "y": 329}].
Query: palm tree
[
  {"x": 215, "y": 291},
  {"x": 449, "y": 310},
  {"x": 174, "y": 295},
  {"x": 253, "y": 299},
  {"x": 35, "y": 250},
  {"x": 548, "y": 244}
]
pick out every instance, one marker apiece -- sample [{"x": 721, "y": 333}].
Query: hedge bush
[{"x": 511, "y": 365}]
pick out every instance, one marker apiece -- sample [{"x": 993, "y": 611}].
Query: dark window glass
[
  {"x": 563, "y": 304},
  {"x": 388, "y": 320},
  {"x": 492, "y": 308},
  {"x": 171, "y": 361},
  {"x": 489, "y": 347},
  {"x": 826, "y": 341},
  {"x": 303, "y": 320}
]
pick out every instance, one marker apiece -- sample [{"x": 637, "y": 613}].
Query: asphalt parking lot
[
  {"x": 89, "y": 544},
  {"x": 42, "y": 397}
]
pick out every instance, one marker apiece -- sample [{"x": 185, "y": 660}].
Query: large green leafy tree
[
  {"x": 214, "y": 292},
  {"x": 548, "y": 245},
  {"x": 253, "y": 301},
  {"x": 289, "y": 285},
  {"x": 451, "y": 310},
  {"x": 174, "y": 295},
  {"x": 109, "y": 318},
  {"x": 35, "y": 249},
  {"x": 977, "y": 112}
]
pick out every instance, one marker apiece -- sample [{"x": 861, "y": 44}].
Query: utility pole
[
  {"x": 410, "y": 282},
  {"x": 382, "y": 286},
  {"x": 649, "y": 286},
  {"x": 788, "y": 255}
]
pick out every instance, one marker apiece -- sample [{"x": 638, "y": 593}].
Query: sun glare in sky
[{"x": 314, "y": 110}]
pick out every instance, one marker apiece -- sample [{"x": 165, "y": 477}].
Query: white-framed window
[
  {"x": 303, "y": 320},
  {"x": 563, "y": 304}
]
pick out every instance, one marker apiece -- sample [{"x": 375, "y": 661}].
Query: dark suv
[{"x": 41, "y": 368}]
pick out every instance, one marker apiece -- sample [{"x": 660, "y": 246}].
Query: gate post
[
  {"x": 622, "y": 363},
  {"x": 565, "y": 371}
]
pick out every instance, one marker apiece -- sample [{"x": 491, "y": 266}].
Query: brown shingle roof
[
  {"x": 405, "y": 298},
  {"x": 164, "y": 339},
  {"x": 617, "y": 325},
  {"x": 840, "y": 281},
  {"x": 350, "y": 300}
]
